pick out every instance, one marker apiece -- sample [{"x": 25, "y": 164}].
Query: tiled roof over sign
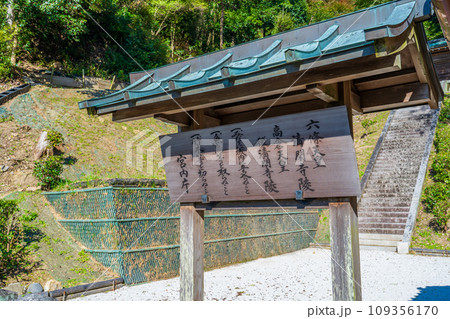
[{"x": 336, "y": 39}]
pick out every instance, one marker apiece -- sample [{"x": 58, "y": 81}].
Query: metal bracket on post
[
  {"x": 205, "y": 199},
  {"x": 299, "y": 195}
]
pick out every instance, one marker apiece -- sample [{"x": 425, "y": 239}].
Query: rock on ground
[
  {"x": 35, "y": 288},
  {"x": 52, "y": 285},
  {"x": 16, "y": 287},
  {"x": 7, "y": 295},
  {"x": 41, "y": 296},
  {"x": 306, "y": 275}
]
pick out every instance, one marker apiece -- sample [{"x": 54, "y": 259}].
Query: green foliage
[
  {"x": 6, "y": 119},
  {"x": 152, "y": 32},
  {"x": 6, "y": 68},
  {"x": 441, "y": 167},
  {"x": 48, "y": 171},
  {"x": 82, "y": 257},
  {"x": 55, "y": 138},
  {"x": 320, "y": 10},
  {"x": 14, "y": 230},
  {"x": 436, "y": 197},
  {"x": 366, "y": 123},
  {"x": 433, "y": 29}
]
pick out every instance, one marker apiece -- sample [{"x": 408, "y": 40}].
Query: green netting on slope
[
  {"x": 135, "y": 231},
  {"x": 113, "y": 203},
  {"x": 163, "y": 231},
  {"x": 4, "y": 113},
  {"x": 125, "y": 234},
  {"x": 23, "y": 110},
  {"x": 160, "y": 263}
]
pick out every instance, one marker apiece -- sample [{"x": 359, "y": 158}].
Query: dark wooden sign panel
[{"x": 270, "y": 159}]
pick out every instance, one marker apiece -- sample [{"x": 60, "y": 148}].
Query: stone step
[
  {"x": 384, "y": 184},
  {"x": 385, "y": 199},
  {"x": 401, "y": 148},
  {"x": 390, "y": 145},
  {"x": 400, "y": 173},
  {"x": 381, "y": 237},
  {"x": 404, "y": 209},
  {"x": 381, "y": 248},
  {"x": 382, "y": 181},
  {"x": 382, "y": 219},
  {"x": 377, "y": 242},
  {"x": 379, "y": 193},
  {"x": 384, "y": 206},
  {"x": 382, "y": 215},
  {"x": 408, "y": 137},
  {"x": 385, "y": 202},
  {"x": 386, "y": 231},
  {"x": 393, "y": 170},
  {"x": 381, "y": 225}
]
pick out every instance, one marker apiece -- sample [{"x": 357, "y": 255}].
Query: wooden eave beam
[
  {"x": 328, "y": 93},
  {"x": 395, "y": 97},
  {"x": 265, "y": 102},
  {"x": 385, "y": 80},
  {"x": 357, "y": 68},
  {"x": 180, "y": 119},
  {"x": 274, "y": 111},
  {"x": 203, "y": 120}
]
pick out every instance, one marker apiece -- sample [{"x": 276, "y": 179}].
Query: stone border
[{"x": 403, "y": 246}]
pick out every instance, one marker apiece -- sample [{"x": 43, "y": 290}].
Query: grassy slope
[
  {"x": 56, "y": 254},
  {"x": 424, "y": 235},
  {"x": 96, "y": 145}
]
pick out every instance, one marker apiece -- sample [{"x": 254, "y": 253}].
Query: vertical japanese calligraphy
[
  {"x": 201, "y": 168},
  {"x": 184, "y": 173},
  {"x": 237, "y": 134},
  {"x": 223, "y": 173},
  {"x": 269, "y": 185},
  {"x": 282, "y": 158},
  {"x": 311, "y": 151}
]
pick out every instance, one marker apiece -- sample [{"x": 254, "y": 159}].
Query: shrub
[
  {"x": 436, "y": 195},
  {"x": 48, "y": 171},
  {"x": 6, "y": 68},
  {"x": 441, "y": 167},
  {"x": 441, "y": 214},
  {"x": 14, "y": 228},
  {"x": 55, "y": 138},
  {"x": 442, "y": 139},
  {"x": 367, "y": 123}
]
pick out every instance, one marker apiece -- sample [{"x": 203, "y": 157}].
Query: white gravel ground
[{"x": 306, "y": 275}]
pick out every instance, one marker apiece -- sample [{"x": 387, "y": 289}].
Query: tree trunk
[
  {"x": 222, "y": 15},
  {"x": 10, "y": 19},
  {"x": 172, "y": 41}
]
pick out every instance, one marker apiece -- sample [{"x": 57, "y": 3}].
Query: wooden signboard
[{"x": 273, "y": 158}]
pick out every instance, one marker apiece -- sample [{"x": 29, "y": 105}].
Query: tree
[{"x": 10, "y": 20}]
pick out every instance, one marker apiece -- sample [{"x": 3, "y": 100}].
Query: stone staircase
[{"x": 394, "y": 177}]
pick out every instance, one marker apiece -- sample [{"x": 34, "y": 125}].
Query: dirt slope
[{"x": 95, "y": 147}]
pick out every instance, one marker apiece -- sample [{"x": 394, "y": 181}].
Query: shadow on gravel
[{"x": 433, "y": 293}]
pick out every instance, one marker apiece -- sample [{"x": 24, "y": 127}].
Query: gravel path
[{"x": 306, "y": 275}]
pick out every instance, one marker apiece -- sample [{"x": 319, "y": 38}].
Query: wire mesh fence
[{"x": 135, "y": 231}]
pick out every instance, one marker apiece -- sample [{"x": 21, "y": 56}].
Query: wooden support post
[
  {"x": 345, "y": 263},
  {"x": 191, "y": 253}
]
